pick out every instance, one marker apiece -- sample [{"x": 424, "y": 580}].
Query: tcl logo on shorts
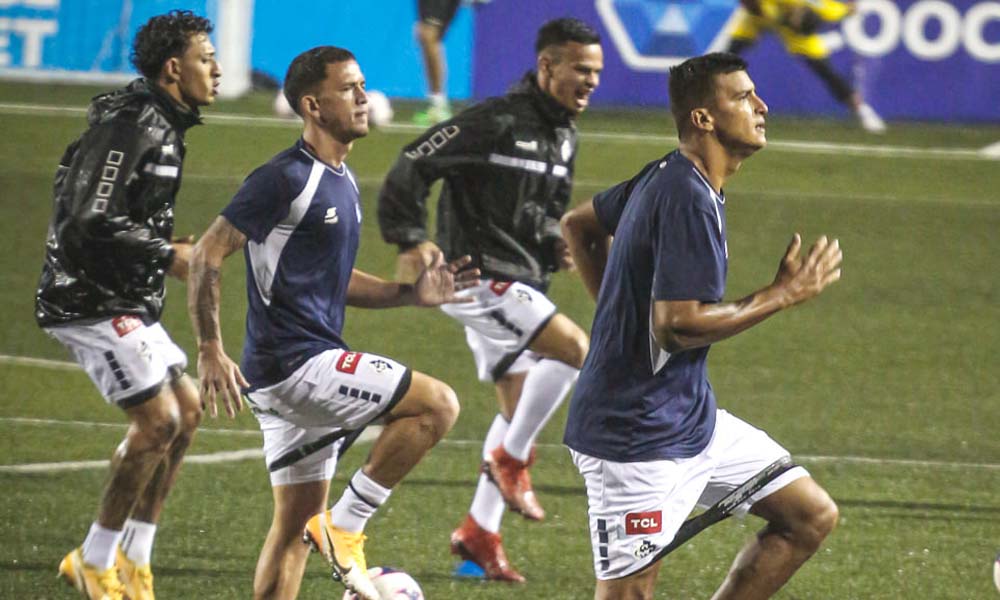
[
  {"x": 124, "y": 324},
  {"x": 348, "y": 362},
  {"x": 499, "y": 287},
  {"x": 643, "y": 522}
]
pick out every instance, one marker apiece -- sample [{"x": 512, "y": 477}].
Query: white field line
[
  {"x": 992, "y": 151},
  {"x": 792, "y": 146},
  {"x": 370, "y": 434}
]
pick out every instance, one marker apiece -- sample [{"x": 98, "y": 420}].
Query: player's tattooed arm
[{"x": 219, "y": 374}]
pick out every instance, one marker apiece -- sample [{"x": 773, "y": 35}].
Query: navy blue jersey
[
  {"x": 634, "y": 401},
  {"x": 302, "y": 219}
]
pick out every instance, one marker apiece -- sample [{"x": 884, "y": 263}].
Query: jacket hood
[
  {"x": 528, "y": 85},
  {"x": 141, "y": 92}
]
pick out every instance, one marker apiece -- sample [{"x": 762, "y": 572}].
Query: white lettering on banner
[
  {"x": 975, "y": 24},
  {"x": 953, "y": 30},
  {"x": 915, "y": 30},
  {"x": 33, "y": 32},
  {"x": 30, "y": 3}
]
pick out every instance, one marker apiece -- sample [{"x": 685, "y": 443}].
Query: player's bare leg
[
  {"x": 562, "y": 340},
  {"x": 799, "y": 517},
  {"x": 429, "y": 37},
  {"x": 283, "y": 557},
  {"x": 637, "y": 586},
  {"x": 423, "y": 416},
  {"x": 155, "y": 425},
  {"x": 151, "y": 501}
]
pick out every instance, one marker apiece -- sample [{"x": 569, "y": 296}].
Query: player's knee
[
  {"x": 155, "y": 434},
  {"x": 818, "y": 523},
  {"x": 444, "y": 408}
]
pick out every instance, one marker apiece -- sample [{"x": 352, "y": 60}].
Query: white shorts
[
  {"x": 127, "y": 360},
  {"x": 500, "y": 324},
  {"x": 637, "y": 507},
  {"x": 305, "y": 417}
]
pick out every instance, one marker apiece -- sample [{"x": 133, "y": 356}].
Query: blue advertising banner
[
  {"x": 66, "y": 35},
  {"x": 911, "y": 59},
  {"x": 379, "y": 33}
]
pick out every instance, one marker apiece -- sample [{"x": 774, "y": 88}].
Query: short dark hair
[
  {"x": 164, "y": 37},
  {"x": 692, "y": 83},
  {"x": 308, "y": 69},
  {"x": 559, "y": 31}
]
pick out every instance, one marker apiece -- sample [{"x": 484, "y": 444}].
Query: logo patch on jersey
[
  {"x": 566, "y": 150},
  {"x": 380, "y": 365},
  {"x": 643, "y": 522},
  {"x": 531, "y": 146},
  {"x": 348, "y": 362},
  {"x": 331, "y": 215},
  {"x": 522, "y": 296},
  {"x": 644, "y": 549},
  {"x": 125, "y": 324},
  {"x": 499, "y": 287}
]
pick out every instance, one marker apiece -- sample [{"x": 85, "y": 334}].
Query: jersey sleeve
[
  {"x": 610, "y": 204},
  {"x": 689, "y": 254},
  {"x": 260, "y": 204}
]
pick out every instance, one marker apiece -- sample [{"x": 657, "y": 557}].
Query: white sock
[
  {"x": 438, "y": 100},
  {"x": 488, "y": 505},
  {"x": 137, "y": 541},
  {"x": 543, "y": 391},
  {"x": 99, "y": 547},
  {"x": 358, "y": 503}
]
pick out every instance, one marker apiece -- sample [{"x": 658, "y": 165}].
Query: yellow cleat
[
  {"x": 344, "y": 551},
  {"x": 138, "y": 580},
  {"x": 93, "y": 584}
]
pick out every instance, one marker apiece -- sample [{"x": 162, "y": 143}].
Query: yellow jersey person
[{"x": 796, "y": 22}]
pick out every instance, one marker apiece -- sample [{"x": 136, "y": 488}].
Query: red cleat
[
  {"x": 512, "y": 478},
  {"x": 472, "y": 542}
]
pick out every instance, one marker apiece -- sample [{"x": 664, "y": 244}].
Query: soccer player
[
  {"x": 435, "y": 17},
  {"x": 101, "y": 291},
  {"x": 797, "y": 22},
  {"x": 643, "y": 427},
  {"x": 507, "y": 166},
  {"x": 298, "y": 218}
]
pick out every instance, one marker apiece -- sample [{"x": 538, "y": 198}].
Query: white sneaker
[{"x": 870, "y": 121}]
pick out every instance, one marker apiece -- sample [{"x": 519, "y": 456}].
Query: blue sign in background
[
  {"x": 379, "y": 33},
  {"x": 916, "y": 63},
  {"x": 912, "y": 59}
]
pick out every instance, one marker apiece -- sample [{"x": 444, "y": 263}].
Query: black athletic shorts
[{"x": 438, "y": 12}]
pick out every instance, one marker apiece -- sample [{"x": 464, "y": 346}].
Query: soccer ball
[
  {"x": 281, "y": 106},
  {"x": 379, "y": 109},
  {"x": 391, "y": 584}
]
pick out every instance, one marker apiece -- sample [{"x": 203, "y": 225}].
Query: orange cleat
[
  {"x": 512, "y": 478},
  {"x": 472, "y": 542},
  {"x": 345, "y": 551}
]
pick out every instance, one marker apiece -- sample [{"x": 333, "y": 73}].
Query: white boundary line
[
  {"x": 369, "y": 435},
  {"x": 793, "y": 146}
]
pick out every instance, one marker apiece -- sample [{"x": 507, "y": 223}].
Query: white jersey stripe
[{"x": 264, "y": 256}]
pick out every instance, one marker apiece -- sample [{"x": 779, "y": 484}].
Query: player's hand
[
  {"x": 220, "y": 376},
  {"x": 802, "y": 278},
  {"x": 439, "y": 282},
  {"x": 412, "y": 262},
  {"x": 182, "y": 257},
  {"x": 563, "y": 255}
]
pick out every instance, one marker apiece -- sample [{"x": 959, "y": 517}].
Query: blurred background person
[
  {"x": 797, "y": 22},
  {"x": 434, "y": 16}
]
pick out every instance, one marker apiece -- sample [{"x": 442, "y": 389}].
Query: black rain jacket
[
  {"x": 108, "y": 246},
  {"x": 507, "y": 170}
]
